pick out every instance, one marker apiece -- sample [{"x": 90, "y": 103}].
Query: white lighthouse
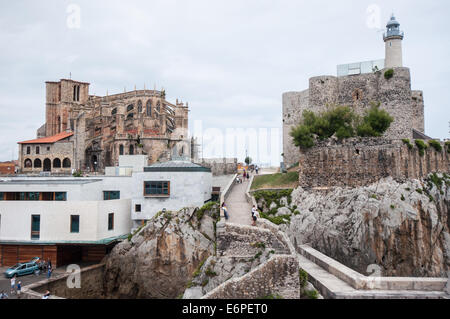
[{"x": 393, "y": 39}]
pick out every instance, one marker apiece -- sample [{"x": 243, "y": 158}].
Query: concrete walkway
[{"x": 239, "y": 210}]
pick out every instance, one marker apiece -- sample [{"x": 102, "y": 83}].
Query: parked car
[{"x": 22, "y": 269}]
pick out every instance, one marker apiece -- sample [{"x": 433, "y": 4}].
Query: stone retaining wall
[
  {"x": 278, "y": 276},
  {"x": 241, "y": 240},
  {"x": 362, "y": 161},
  {"x": 91, "y": 286}
]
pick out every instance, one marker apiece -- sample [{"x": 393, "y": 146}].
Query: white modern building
[{"x": 71, "y": 219}]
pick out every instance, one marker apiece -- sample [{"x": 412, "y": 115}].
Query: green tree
[{"x": 248, "y": 160}]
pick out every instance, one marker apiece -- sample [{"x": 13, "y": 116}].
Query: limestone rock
[
  {"x": 396, "y": 226},
  {"x": 160, "y": 259},
  {"x": 283, "y": 211}
]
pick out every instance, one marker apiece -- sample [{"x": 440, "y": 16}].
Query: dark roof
[{"x": 420, "y": 136}]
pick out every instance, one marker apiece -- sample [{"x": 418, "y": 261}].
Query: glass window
[
  {"x": 35, "y": 226},
  {"x": 33, "y": 196},
  {"x": 74, "y": 223},
  {"x": 138, "y": 208},
  {"x": 156, "y": 188},
  {"x": 60, "y": 196},
  {"x": 111, "y": 195},
  {"x": 110, "y": 221},
  {"x": 2, "y": 196}
]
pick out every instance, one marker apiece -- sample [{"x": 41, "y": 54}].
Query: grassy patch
[
  {"x": 389, "y": 74},
  {"x": 408, "y": 143},
  {"x": 436, "y": 145},
  {"x": 303, "y": 275},
  {"x": 422, "y": 147},
  {"x": 312, "y": 294},
  {"x": 288, "y": 180},
  {"x": 272, "y": 296}
]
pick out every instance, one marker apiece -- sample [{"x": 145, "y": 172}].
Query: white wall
[
  {"x": 55, "y": 220},
  {"x": 187, "y": 189}
]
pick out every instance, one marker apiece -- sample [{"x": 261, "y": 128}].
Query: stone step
[{"x": 332, "y": 287}]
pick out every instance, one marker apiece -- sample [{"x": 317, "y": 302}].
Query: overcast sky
[{"x": 231, "y": 60}]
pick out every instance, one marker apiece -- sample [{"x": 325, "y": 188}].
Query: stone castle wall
[
  {"x": 278, "y": 276},
  {"x": 362, "y": 161},
  {"x": 358, "y": 92},
  {"x": 220, "y": 166}
]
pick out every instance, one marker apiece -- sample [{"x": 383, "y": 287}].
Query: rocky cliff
[
  {"x": 402, "y": 228},
  {"x": 158, "y": 261}
]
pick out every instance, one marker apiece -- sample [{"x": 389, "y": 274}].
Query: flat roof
[
  {"x": 176, "y": 166},
  {"x": 105, "y": 241},
  {"x": 12, "y": 181}
]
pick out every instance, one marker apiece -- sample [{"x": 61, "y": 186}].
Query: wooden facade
[{"x": 60, "y": 255}]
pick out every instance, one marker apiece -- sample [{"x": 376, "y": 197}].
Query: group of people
[
  {"x": 255, "y": 213},
  {"x": 15, "y": 289}
]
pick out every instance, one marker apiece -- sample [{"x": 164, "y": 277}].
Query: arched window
[
  {"x": 57, "y": 163},
  {"x": 158, "y": 107},
  {"x": 130, "y": 116},
  {"x": 37, "y": 163},
  {"x": 28, "y": 163},
  {"x": 28, "y": 150},
  {"x": 121, "y": 150},
  {"x": 149, "y": 108},
  {"x": 38, "y": 149},
  {"x": 67, "y": 163},
  {"x": 113, "y": 112},
  {"x": 130, "y": 108},
  {"x": 131, "y": 150},
  {"x": 47, "y": 165},
  {"x": 139, "y": 106}
]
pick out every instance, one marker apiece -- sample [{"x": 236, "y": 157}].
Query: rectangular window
[
  {"x": 38, "y": 150},
  {"x": 111, "y": 222},
  {"x": 111, "y": 195},
  {"x": 74, "y": 223},
  {"x": 157, "y": 189},
  {"x": 35, "y": 227},
  {"x": 138, "y": 208},
  {"x": 60, "y": 197},
  {"x": 2, "y": 196}
]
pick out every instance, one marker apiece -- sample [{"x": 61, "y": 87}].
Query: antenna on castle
[{"x": 70, "y": 75}]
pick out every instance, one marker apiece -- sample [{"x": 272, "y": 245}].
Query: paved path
[{"x": 239, "y": 210}]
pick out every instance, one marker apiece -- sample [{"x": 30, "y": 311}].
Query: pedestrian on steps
[
  {"x": 225, "y": 211},
  {"x": 255, "y": 215}
]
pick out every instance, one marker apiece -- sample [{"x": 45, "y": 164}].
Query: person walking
[
  {"x": 248, "y": 176},
  {"x": 244, "y": 174},
  {"x": 49, "y": 269},
  {"x": 225, "y": 211},
  {"x": 46, "y": 295},
  {"x": 13, "y": 284},
  {"x": 255, "y": 215},
  {"x": 3, "y": 295},
  {"x": 19, "y": 288}
]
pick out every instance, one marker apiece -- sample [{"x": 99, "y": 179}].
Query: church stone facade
[{"x": 137, "y": 122}]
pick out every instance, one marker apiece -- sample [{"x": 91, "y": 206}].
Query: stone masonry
[
  {"x": 362, "y": 161},
  {"x": 358, "y": 92}
]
